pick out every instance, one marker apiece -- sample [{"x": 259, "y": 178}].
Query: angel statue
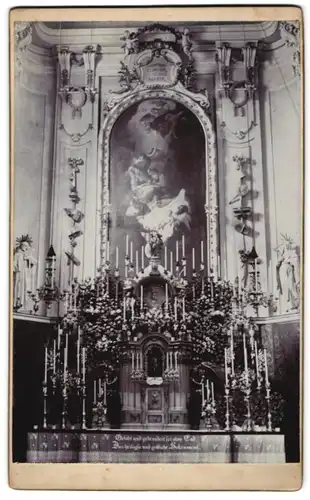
[
  {"x": 24, "y": 271},
  {"x": 130, "y": 42},
  {"x": 287, "y": 271}
]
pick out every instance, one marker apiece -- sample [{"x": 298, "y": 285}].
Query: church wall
[{"x": 33, "y": 158}]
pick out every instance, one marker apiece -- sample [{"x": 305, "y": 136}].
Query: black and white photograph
[{"x": 157, "y": 242}]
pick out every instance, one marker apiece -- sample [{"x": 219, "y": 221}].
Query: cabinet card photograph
[{"x": 156, "y": 248}]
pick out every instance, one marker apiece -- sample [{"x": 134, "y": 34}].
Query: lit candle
[
  {"x": 78, "y": 351},
  {"x": 166, "y": 258},
  {"x": 141, "y": 298},
  {"x": 212, "y": 389},
  {"x": 127, "y": 244},
  {"x": 177, "y": 251},
  {"x": 95, "y": 392},
  {"x": 54, "y": 358},
  {"x": 105, "y": 392},
  {"x": 208, "y": 390},
  {"x": 175, "y": 309},
  {"x": 183, "y": 245},
  {"x": 45, "y": 366},
  {"x": 171, "y": 262},
  {"x": 142, "y": 257},
  {"x": 201, "y": 252},
  {"x": 84, "y": 363},
  {"x": 226, "y": 372},
  {"x": 266, "y": 367},
  {"x": 131, "y": 251},
  {"x": 203, "y": 392},
  {"x": 116, "y": 260},
  {"x": 257, "y": 367},
  {"x": 137, "y": 262},
  {"x": 193, "y": 258}
]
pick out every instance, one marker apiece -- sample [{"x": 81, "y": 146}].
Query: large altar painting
[{"x": 157, "y": 168}]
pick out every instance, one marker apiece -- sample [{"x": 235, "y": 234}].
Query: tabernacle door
[{"x": 155, "y": 414}]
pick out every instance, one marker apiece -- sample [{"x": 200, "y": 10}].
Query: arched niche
[{"x": 204, "y": 216}]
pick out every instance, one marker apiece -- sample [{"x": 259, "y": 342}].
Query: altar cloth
[{"x": 154, "y": 447}]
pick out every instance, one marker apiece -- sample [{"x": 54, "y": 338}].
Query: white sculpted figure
[
  {"x": 130, "y": 42},
  {"x": 288, "y": 279},
  {"x": 24, "y": 270}
]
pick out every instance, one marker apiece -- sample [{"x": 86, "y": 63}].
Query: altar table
[{"x": 112, "y": 446}]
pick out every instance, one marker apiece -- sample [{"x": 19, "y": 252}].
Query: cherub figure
[{"x": 130, "y": 44}]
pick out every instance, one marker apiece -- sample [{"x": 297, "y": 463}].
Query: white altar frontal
[{"x": 157, "y": 293}]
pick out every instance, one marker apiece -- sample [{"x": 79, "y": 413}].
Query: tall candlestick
[
  {"x": 256, "y": 363},
  {"x": 137, "y": 262},
  {"x": 201, "y": 252},
  {"x": 171, "y": 362},
  {"x": 99, "y": 388},
  {"x": 142, "y": 257},
  {"x": 208, "y": 390},
  {"x": 176, "y": 359},
  {"x": 45, "y": 366},
  {"x": 58, "y": 337},
  {"x": 127, "y": 245},
  {"x": 175, "y": 309},
  {"x": 183, "y": 245},
  {"x": 131, "y": 251},
  {"x": 203, "y": 392},
  {"x": 177, "y": 251},
  {"x": 226, "y": 371},
  {"x": 53, "y": 272},
  {"x": 78, "y": 351},
  {"x": 166, "y": 290},
  {"x": 266, "y": 367},
  {"x": 141, "y": 297},
  {"x": 141, "y": 361},
  {"x": 104, "y": 393},
  {"x": 166, "y": 258},
  {"x": 183, "y": 308},
  {"x": 245, "y": 352},
  {"x": 108, "y": 251},
  {"x": 95, "y": 392},
  {"x": 132, "y": 309},
  {"x": 137, "y": 361},
  {"x": 167, "y": 360},
  {"x": 171, "y": 262},
  {"x": 256, "y": 277},
  {"x": 193, "y": 258},
  {"x": 84, "y": 363},
  {"x": 116, "y": 259},
  {"x": 212, "y": 390},
  {"x": 132, "y": 361},
  {"x": 232, "y": 351},
  {"x": 54, "y": 358},
  {"x": 124, "y": 309}
]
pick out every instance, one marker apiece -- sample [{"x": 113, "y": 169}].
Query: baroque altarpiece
[{"x": 156, "y": 287}]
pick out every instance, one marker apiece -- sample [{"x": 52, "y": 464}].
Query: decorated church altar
[{"x": 158, "y": 268}]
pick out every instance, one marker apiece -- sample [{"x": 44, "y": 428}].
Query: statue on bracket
[
  {"x": 24, "y": 271},
  {"x": 287, "y": 272}
]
